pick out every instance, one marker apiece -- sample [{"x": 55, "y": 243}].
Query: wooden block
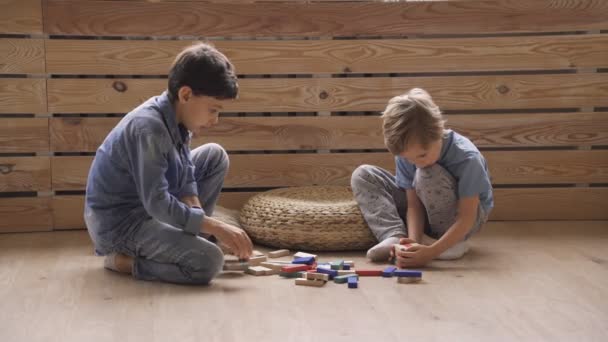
[
  {"x": 236, "y": 266},
  {"x": 258, "y": 270},
  {"x": 349, "y": 263},
  {"x": 317, "y": 276},
  {"x": 272, "y": 266},
  {"x": 345, "y": 272},
  {"x": 229, "y": 258},
  {"x": 337, "y": 265},
  {"x": 353, "y": 283},
  {"x": 256, "y": 261},
  {"x": 295, "y": 268},
  {"x": 257, "y": 253},
  {"x": 304, "y": 260},
  {"x": 292, "y": 274},
  {"x": 306, "y": 282},
  {"x": 408, "y": 274},
  {"x": 304, "y": 255},
  {"x": 346, "y": 267},
  {"x": 369, "y": 273},
  {"x": 279, "y": 253},
  {"x": 388, "y": 272},
  {"x": 331, "y": 273},
  {"x": 408, "y": 280},
  {"x": 344, "y": 278}
]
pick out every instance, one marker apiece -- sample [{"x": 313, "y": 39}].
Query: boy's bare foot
[{"x": 118, "y": 262}]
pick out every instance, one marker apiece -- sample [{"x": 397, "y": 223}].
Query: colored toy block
[
  {"x": 388, "y": 272},
  {"x": 306, "y": 282},
  {"x": 279, "y": 253},
  {"x": 304, "y": 260},
  {"x": 408, "y": 280},
  {"x": 304, "y": 255},
  {"x": 236, "y": 266},
  {"x": 349, "y": 263},
  {"x": 353, "y": 283},
  {"x": 344, "y": 278},
  {"x": 369, "y": 273},
  {"x": 331, "y": 273},
  {"x": 273, "y": 266},
  {"x": 345, "y": 272},
  {"x": 258, "y": 270},
  {"x": 346, "y": 267},
  {"x": 324, "y": 265},
  {"x": 317, "y": 276},
  {"x": 292, "y": 274},
  {"x": 295, "y": 268},
  {"x": 256, "y": 261},
  {"x": 337, "y": 265},
  {"x": 408, "y": 273}
]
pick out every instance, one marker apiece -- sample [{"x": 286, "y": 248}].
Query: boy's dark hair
[{"x": 204, "y": 69}]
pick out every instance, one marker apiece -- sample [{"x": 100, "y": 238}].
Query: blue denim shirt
[{"x": 140, "y": 171}]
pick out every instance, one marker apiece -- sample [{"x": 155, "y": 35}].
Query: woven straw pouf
[{"x": 316, "y": 218}]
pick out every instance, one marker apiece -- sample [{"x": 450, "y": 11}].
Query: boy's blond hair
[{"x": 411, "y": 117}]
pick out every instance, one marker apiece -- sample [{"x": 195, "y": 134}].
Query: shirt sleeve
[
  {"x": 475, "y": 177},
  {"x": 405, "y": 174},
  {"x": 148, "y": 161}
]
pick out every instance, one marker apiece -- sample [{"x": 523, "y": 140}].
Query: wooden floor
[{"x": 521, "y": 281}]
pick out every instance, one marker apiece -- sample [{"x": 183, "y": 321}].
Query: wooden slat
[
  {"x": 355, "y": 132},
  {"x": 550, "y": 204},
  {"x": 21, "y": 56},
  {"x": 511, "y": 205},
  {"x": 68, "y": 212},
  {"x": 18, "y": 135},
  {"x": 25, "y": 214},
  {"x": 348, "y": 94},
  {"x": 25, "y": 174},
  {"x": 121, "y": 57},
  {"x": 118, "y": 18},
  {"x": 22, "y": 95},
  {"x": 20, "y": 16},
  {"x": 276, "y": 170}
]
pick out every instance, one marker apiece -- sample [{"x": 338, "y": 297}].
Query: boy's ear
[{"x": 184, "y": 94}]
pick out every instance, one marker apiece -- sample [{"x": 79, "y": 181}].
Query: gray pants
[
  {"x": 384, "y": 205},
  {"x": 163, "y": 252}
]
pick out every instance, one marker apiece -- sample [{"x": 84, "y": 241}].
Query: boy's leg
[
  {"x": 211, "y": 165},
  {"x": 437, "y": 190},
  {"x": 383, "y": 205},
  {"x": 162, "y": 252}
]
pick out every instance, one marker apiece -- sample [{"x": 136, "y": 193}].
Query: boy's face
[
  {"x": 197, "y": 113},
  {"x": 422, "y": 156}
]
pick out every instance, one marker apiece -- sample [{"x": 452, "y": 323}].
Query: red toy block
[
  {"x": 296, "y": 268},
  {"x": 369, "y": 273}
]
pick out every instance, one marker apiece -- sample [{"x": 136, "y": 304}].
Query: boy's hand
[
  {"x": 235, "y": 239},
  {"x": 415, "y": 256}
]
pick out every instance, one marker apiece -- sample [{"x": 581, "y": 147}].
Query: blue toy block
[
  {"x": 353, "y": 282},
  {"x": 304, "y": 261},
  {"x": 346, "y": 267},
  {"x": 388, "y": 272},
  {"x": 331, "y": 273},
  {"x": 408, "y": 273},
  {"x": 337, "y": 265}
]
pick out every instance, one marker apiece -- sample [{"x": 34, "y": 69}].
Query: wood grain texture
[
  {"x": 355, "y": 132},
  {"x": 21, "y": 17},
  {"x": 25, "y": 174},
  {"x": 68, "y": 212},
  {"x": 19, "y": 135},
  {"x": 348, "y": 94},
  {"x": 22, "y": 95},
  {"x": 121, "y": 57},
  {"x": 278, "y": 170},
  {"x": 120, "y": 18},
  {"x": 25, "y": 214},
  {"x": 22, "y": 56}
]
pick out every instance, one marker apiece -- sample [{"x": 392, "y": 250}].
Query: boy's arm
[
  {"x": 415, "y": 216},
  {"x": 467, "y": 212}
]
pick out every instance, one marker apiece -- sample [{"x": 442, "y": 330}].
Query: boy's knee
[
  {"x": 361, "y": 175},
  {"x": 213, "y": 155},
  {"x": 203, "y": 266}
]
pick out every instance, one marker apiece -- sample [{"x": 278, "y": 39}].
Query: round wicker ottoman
[{"x": 316, "y": 218}]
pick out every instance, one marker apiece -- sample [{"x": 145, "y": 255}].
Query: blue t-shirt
[{"x": 461, "y": 159}]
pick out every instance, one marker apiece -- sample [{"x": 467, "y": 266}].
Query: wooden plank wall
[{"x": 525, "y": 80}]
